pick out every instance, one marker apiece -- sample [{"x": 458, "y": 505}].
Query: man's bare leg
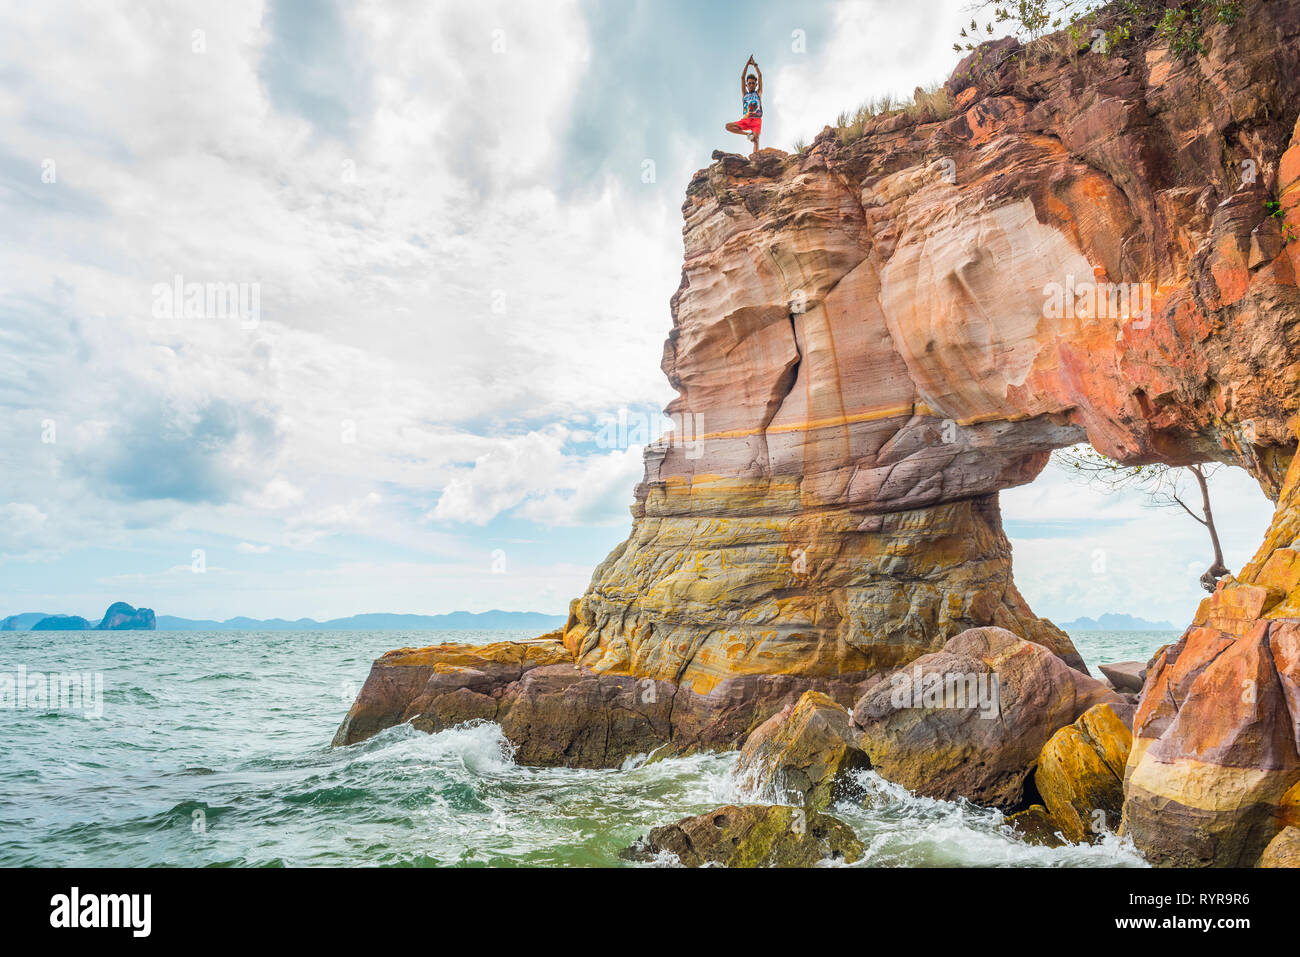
[{"x": 754, "y": 137}]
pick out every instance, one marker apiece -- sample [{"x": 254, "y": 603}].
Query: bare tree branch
[{"x": 1159, "y": 483}]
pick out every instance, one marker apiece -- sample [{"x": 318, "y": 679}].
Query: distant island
[
  {"x": 1113, "y": 622},
  {"x": 119, "y": 615}
]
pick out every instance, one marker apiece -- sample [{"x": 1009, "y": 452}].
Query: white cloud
[
  {"x": 533, "y": 475},
  {"x": 873, "y": 48}
]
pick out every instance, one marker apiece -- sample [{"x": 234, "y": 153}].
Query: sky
[{"x": 319, "y": 309}]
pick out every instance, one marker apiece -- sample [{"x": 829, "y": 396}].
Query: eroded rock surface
[
  {"x": 753, "y": 835},
  {"x": 1283, "y": 850},
  {"x": 1215, "y": 739}
]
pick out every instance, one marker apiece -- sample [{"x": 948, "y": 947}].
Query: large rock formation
[{"x": 872, "y": 338}]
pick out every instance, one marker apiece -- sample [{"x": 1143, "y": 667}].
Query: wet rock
[
  {"x": 1036, "y": 826},
  {"x": 752, "y": 835},
  {"x": 441, "y": 686},
  {"x": 803, "y": 754},
  {"x": 557, "y": 713},
  {"x": 1080, "y": 774}
]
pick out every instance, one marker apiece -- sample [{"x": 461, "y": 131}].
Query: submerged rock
[
  {"x": 1036, "y": 826},
  {"x": 753, "y": 835},
  {"x": 803, "y": 753},
  {"x": 1080, "y": 774},
  {"x": 970, "y": 721}
]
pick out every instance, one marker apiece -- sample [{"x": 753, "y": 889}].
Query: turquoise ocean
[{"x": 212, "y": 749}]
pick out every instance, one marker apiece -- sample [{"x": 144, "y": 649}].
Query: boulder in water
[
  {"x": 1080, "y": 774},
  {"x": 803, "y": 753},
  {"x": 1125, "y": 675},
  {"x": 755, "y": 835}
]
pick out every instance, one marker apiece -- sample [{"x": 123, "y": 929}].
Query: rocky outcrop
[
  {"x": 803, "y": 754},
  {"x": 557, "y": 713},
  {"x": 1215, "y": 738},
  {"x": 1080, "y": 774},
  {"x": 122, "y": 617},
  {"x": 441, "y": 686},
  {"x": 874, "y": 337},
  {"x": 753, "y": 835},
  {"x": 1036, "y": 825},
  {"x": 969, "y": 721}
]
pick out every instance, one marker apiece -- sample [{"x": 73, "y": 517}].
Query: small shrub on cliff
[
  {"x": 851, "y": 126},
  {"x": 1093, "y": 25},
  {"x": 1184, "y": 26},
  {"x": 930, "y": 103},
  {"x": 1274, "y": 209}
]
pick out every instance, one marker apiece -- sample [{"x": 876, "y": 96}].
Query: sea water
[{"x": 212, "y": 748}]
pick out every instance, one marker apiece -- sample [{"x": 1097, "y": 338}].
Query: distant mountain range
[
  {"x": 1112, "y": 622},
  {"x": 455, "y": 621}
]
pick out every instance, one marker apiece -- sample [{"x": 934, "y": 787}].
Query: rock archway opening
[{"x": 1122, "y": 556}]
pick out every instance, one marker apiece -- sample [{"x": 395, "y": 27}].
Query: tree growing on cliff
[{"x": 1164, "y": 486}]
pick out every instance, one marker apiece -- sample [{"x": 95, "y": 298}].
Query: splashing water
[{"x": 213, "y": 748}]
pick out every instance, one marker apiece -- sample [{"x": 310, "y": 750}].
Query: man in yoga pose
[{"x": 751, "y": 105}]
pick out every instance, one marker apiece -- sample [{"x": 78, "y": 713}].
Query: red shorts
[{"x": 751, "y": 124}]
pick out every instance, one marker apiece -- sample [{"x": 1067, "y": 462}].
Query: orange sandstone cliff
[{"x": 871, "y": 339}]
